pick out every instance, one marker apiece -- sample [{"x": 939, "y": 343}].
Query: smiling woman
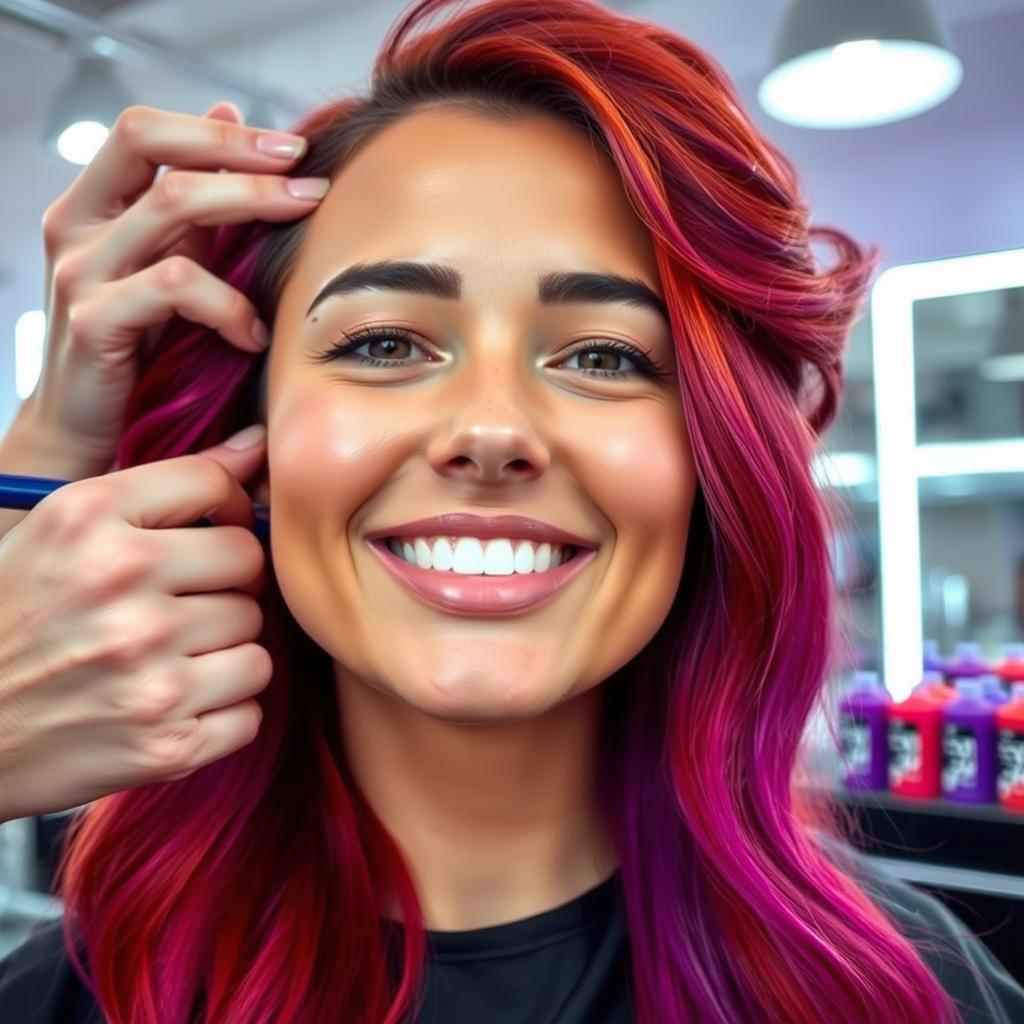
[{"x": 551, "y": 598}]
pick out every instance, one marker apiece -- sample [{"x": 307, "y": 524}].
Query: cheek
[
  {"x": 326, "y": 459},
  {"x": 324, "y": 454},
  {"x": 641, "y": 475}
]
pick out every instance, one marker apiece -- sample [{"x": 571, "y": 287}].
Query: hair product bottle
[
  {"x": 967, "y": 662},
  {"x": 993, "y": 690},
  {"x": 969, "y": 745},
  {"x": 934, "y": 685},
  {"x": 1011, "y": 668},
  {"x": 863, "y": 729},
  {"x": 1010, "y": 746},
  {"x": 933, "y": 660},
  {"x": 915, "y": 744}
]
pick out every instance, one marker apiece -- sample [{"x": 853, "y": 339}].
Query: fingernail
[
  {"x": 247, "y": 438},
  {"x": 308, "y": 188},
  {"x": 280, "y": 144},
  {"x": 260, "y": 333}
]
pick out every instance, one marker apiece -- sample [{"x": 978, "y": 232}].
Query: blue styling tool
[{"x": 25, "y": 492}]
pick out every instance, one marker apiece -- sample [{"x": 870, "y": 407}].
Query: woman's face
[{"x": 489, "y": 406}]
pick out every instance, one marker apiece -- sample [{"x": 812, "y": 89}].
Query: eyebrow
[{"x": 446, "y": 283}]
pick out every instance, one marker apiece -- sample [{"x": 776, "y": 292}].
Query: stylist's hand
[
  {"x": 125, "y": 251},
  {"x": 126, "y": 635}
]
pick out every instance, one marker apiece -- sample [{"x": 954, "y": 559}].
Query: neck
[{"x": 497, "y": 821}]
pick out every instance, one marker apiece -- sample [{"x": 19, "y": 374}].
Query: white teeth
[{"x": 473, "y": 557}]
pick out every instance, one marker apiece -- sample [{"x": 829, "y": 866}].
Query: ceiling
[{"x": 945, "y": 183}]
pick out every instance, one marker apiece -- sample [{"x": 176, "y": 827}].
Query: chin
[{"x": 482, "y": 703}]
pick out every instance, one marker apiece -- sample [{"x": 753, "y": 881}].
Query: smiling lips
[
  {"x": 458, "y": 592},
  {"x": 459, "y": 541},
  {"x": 483, "y": 527}
]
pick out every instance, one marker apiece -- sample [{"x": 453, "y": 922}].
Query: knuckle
[
  {"x": 262, "y": 188},
  {"x": 256, "y": 615},
  {"x": 72, "y": 511},
  {"x": 131, "y": 124},
  {"x": 170, "y": 193},
  {"x": 107, "y": 568},
  {"x": 126, "y": 639},
  {"x": 80, "y": 323},
  {"x": 170, "y": 748},
  {"x": 175, "y": 272},
  {"x": 216, "y": 480},
  {"x": 67, "y": 275},
  {"x": 154, "y": 698},
  {"x": 239, "y": 309},
  {"x": 53, "y": 225},
  {"x": 251, "y": 554},
  {"x": 223, "y": 136}
]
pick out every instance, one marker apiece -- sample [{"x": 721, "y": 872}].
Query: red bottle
[
  {"x": 935, "y": 686},
  {"x": 915, "y": 746},
  {"x": 1011, "y": 668},
  {"x": 1010, "y": 741}
]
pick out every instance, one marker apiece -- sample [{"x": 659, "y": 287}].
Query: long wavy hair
[{"x": 250, "y": 891}]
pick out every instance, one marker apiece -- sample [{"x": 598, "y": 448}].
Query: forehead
[{"x": 460, "y": 187}]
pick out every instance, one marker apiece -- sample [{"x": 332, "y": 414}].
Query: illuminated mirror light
[{"x": 901, "y": 461}]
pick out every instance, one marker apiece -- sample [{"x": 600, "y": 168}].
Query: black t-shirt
[{"x": 568, "y": 965}]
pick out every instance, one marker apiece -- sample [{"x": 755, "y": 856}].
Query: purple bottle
[
  {"x": 969, "y": 745},
  {"x": 864, "y": 732},
  {"x": 993, "y": 691},
  {"x": 933, "y": 660},
  {"x": 967, "y": 662}
]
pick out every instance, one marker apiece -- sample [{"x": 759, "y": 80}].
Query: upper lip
[{"x": 468, "y": 525}]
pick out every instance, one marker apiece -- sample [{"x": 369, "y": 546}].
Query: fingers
[
  {"x": 200, "y": 560},
  {"x": 225, "y": 110},
  {"x": 196, "y": 244},
  {"x": 182, "y": 200},
  {"x": 180, "y": 491},
  {"x": 143, "y": 138},
  {"x": 117, "y": 310},
  {"x": 213, "y": 622},
  {"x": 224, "y": 678}
]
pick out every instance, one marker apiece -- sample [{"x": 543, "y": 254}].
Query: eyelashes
[{"x": 646, "y": 366}]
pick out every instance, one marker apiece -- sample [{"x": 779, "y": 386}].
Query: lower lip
[{"x": 482, "y": 595}]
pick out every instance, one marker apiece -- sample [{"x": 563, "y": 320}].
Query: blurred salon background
[{"x": 904, "y": 120}]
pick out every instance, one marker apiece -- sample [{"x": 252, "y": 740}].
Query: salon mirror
[{"x": 928, "y": 451}]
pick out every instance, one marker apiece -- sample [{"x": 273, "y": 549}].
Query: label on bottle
[
  {"x": 855, "y": 733},
  {"x": 904, "y": 752},
  {"x": 1011, "y": 763},
  {"x": 959, "y": 757}
]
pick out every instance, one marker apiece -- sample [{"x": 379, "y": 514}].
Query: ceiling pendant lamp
[{"x": 857, "y": 63}]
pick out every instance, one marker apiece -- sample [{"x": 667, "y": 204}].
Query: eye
[
  {"x": 620, "y": 350},
  {"x": 386, "y": 337}
]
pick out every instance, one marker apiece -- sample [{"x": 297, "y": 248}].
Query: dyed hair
[{"x": 252, "y": 889}]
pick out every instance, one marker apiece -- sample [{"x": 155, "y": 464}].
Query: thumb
[{"x": 242, "y": 453}]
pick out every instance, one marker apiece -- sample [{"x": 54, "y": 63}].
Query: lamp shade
[
  {"x": 84, "y": 109},
  {"x": 855, "y": 63}
]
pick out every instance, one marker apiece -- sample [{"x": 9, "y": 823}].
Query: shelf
[{"x": 884, "y": 800}]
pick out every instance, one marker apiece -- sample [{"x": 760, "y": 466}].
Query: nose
[{"x": 491, "y": 439}]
